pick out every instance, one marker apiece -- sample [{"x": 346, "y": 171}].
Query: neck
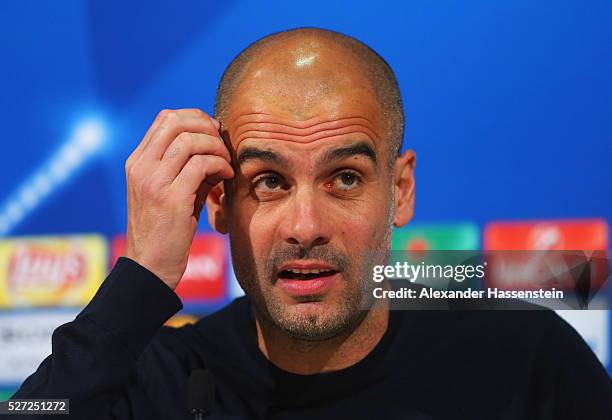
[{"x": 308, "y": 357}]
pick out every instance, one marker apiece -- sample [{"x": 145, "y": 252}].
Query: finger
[
  {"x": 199, "y": 200},
  {"x": 158, "y": 118},
  {"x": 187, "y": 145},
  {"x": 171, "y": 124},
  {"x": 141, "y": 146},
  {"x": 199, "y": 170}
]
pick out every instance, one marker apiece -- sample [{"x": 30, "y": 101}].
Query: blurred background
[{"x": 507, "y": 107}]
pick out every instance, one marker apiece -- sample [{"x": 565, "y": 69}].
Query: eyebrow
[
  {"x": 253, "y": 153},
  {"x": 361, "y": 148}
]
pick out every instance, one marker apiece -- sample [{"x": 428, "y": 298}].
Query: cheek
[
  {"x": 368, "y": 211},
  {"x": 363, "y": 227},
  {"x": 259, "y": 226},
  {"x": 359, "y": 236},
  {"x": 261, "y": 234}
]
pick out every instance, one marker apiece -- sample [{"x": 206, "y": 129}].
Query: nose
[{"x": 306, "y": 222}]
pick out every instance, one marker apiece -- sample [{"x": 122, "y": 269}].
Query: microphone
[{"x": 200, "y": 393}]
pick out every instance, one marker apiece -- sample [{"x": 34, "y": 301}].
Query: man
[{"x": 302, "y": 168}]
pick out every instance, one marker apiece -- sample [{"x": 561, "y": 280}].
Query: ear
[
  {"x": 404, "y": 188},
  {"x": 215, "y": 205}
]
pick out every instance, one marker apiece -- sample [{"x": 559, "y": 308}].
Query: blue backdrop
[
  {"x": 507, "y": 107},
  {"x": 508, "y": 103}
]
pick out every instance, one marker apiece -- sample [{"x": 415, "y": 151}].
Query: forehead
[
  {"x": 330, "y": 125},
  {"x": 303, "y": 95}
]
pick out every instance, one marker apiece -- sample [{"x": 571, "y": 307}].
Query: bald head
[{"x": 300, "y": 69}]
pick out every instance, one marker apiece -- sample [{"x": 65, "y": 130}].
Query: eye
[
  {"x": 346, "y": 180},
  {"x": 268, "y": 183}
]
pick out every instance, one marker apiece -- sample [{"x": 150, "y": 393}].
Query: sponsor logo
[
  {"x": 25, "y": 340},
  {"x": 51, "y": 271},
  {"x": 205, "y": 276},
  {"x": 32, "y": 266},
  {"x": 439, "y": 237},
  {"x": 588, "y": 234},
  {"x": 417, "y": 243},
  {"x": 583, "y": 264}
]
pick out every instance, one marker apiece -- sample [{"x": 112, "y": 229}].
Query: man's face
[{"x": 313, "y": 191}]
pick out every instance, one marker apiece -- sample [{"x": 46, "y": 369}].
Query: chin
[
  {"x": 310, "y": 308},
  {"x": 312, "y": 320}
]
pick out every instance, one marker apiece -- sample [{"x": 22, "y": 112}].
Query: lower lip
[{"x": 316, "y": 286}]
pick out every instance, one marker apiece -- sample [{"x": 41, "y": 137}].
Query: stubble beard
[{"x": 321, "y": 320}]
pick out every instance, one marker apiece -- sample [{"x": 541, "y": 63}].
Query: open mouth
[
  {"x": 307, "y": 278},
  {"x": 299, "y": 274}
]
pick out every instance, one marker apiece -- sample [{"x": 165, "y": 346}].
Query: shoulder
[
  {"x": 194, "y": 346},
  {"x": 214, "y": 326},
  {"x": 537, "y": 328},
  {"x": 532, "y": 340},
  {"x": 497, "y": 334},
  {"x": 235, "y": 314},
  {"x": 221, "y": 334}
]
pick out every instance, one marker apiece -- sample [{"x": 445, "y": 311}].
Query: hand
[{"x": 169, "y": 175}]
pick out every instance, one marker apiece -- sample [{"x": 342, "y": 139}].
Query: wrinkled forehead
[{"x": 304, "y": 94}]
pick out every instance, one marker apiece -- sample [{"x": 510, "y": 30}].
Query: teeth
[{"x": 314, "y": 271}]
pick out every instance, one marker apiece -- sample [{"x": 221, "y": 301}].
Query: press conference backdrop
[{"x": 507, "y": 107}]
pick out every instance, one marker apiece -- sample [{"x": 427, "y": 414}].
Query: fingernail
[{"x": 216, "y": 123}]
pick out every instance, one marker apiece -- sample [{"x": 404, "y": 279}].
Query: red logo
[
  {"x": 547, "y": 235},
  {"x": 204, "y": 278},
  {"x": 527, "y": 264}
]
